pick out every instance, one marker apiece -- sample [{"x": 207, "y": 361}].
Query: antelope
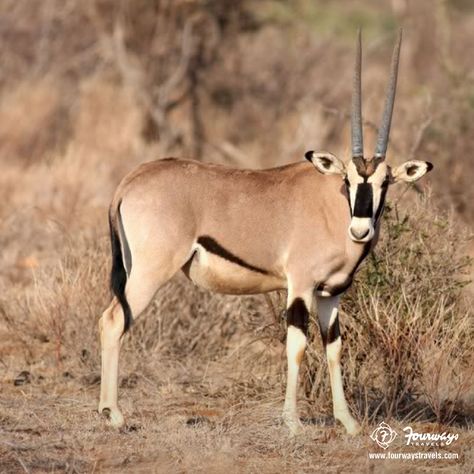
[{"x": 305, "y": 227}]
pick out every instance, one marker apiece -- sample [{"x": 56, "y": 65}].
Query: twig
[
  {"x": 346, "y": 116},
  {"x": 22, "y": 464},
  {"x": 419, "y": 137},
  {"x": 230, "y": 153},
  {"x": 156, "y": 100},
  {"x": 16, "y": 448}
]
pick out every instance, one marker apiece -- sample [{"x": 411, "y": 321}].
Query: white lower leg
[
  {"x": 341, "y": 410},
  {"x": 110, "y": 341},
  {"x": 295, "y": 347}
]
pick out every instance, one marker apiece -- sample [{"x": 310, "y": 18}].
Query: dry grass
[{"x": 202, "y": 375}]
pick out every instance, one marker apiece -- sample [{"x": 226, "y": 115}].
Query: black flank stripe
[{"x": 214, "y": 247}]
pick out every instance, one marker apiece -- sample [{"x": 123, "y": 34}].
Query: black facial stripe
[
  {"x": 363, "y": 206},
  {"x": 348, "y": 194},
  {"x": 298, "y": 315},
  {"x": 382, "y": 201},
  {"x": 214, "y": 247}
]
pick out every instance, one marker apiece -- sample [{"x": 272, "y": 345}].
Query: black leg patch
[
  {"x": 214, "y": 247},
  {"x": 298, "y": 315},
  {"x": 331, "y": 333}
]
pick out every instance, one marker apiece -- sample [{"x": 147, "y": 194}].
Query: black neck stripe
[{"x": 214, "y": 247}]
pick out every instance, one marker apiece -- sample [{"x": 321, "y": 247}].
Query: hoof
[
  {"x": 350, "y": 424},
  {"x": 293, "y": 423},
  {"x": 353, "y": 428},
  {"x": 113, "y": 416}
]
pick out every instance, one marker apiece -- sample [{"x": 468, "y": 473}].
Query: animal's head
[{"x": 367, "y": 179}]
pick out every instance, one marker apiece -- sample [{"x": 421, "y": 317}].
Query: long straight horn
[
  {"x": 356, "y": 117},
  {"x": 384, "y": 130}
]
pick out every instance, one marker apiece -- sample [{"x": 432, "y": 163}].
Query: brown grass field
[{"x": 88, "y": 90}]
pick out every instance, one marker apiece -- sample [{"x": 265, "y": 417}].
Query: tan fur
[
  {"x": 365, "y": 167},
  {"x": 271, "y": 219},
  {"x": 246, "y": 231},
  {"x": 299, "y": 356},
  {"x": 290, "y": 222}
]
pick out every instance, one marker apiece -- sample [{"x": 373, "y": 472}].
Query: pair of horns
[{"x": 356, "y": 116}]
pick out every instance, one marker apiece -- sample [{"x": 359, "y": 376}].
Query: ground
[{"x": 189, "y": 416}]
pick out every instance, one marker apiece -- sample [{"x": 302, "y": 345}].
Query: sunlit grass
[{"x": 328, "y": 18}]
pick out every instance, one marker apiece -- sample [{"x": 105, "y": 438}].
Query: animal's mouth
[{"x": 361, "y": 230}]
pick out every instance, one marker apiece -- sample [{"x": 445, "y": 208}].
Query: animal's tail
[{"x": 118, "y": 275}]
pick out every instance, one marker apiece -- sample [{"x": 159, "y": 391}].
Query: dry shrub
[
  {"x": 220, "y": 346},
  {"x": 405, "y": 325},
  {"x": 54, "y": 321},
  {"x": 66, "y": 98},
  {"x": 28, "y": 110},
  {"x": 108, "y": 121}
]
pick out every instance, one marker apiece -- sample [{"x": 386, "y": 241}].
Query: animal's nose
[{"x": 359, "y": 233}]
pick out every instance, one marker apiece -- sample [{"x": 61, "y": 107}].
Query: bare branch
[
  {"x": 420, "y": 135},
  {"x": 346, "y": 116}
]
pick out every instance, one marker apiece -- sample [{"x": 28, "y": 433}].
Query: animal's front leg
[
  {"x": 298, "y": 306},
  {"x": 329, "y": 325}
]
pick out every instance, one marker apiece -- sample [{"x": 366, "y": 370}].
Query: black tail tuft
[{"x": 118, "y": 275}]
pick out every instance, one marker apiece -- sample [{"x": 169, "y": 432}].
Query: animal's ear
[
  {"x": 411, "y": 171},
  {"x": 326, "y": 163}
]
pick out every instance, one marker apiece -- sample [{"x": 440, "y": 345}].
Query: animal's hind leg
[
  {"x": 140, "y": 288},
  {"x": 111, "y": 326}
]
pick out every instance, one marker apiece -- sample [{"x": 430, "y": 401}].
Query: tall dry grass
[
  {"x": 91, "y": 89},
  {"x": 407, "y": 328}
]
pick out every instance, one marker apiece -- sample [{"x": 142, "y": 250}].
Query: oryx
[{"x": 298, "y": 227}]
